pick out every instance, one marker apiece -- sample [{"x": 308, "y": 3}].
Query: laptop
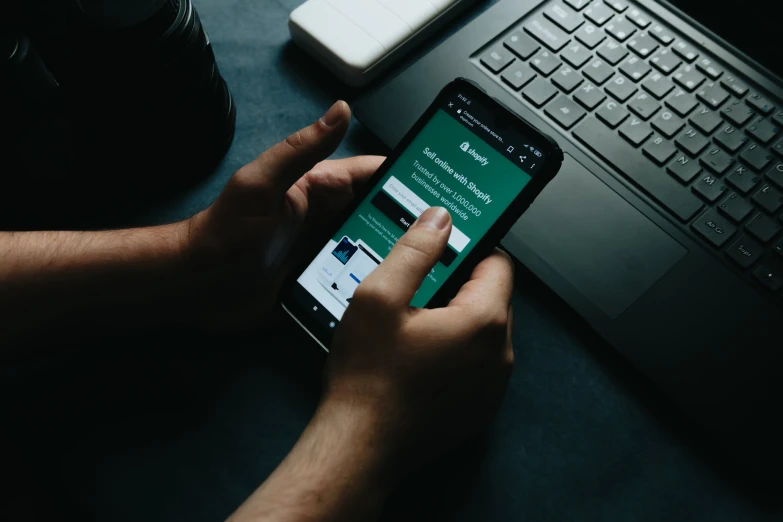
[{"x": 664, "y": 228}]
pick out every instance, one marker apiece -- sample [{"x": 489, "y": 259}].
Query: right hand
[{"x": 424, "y": 380}]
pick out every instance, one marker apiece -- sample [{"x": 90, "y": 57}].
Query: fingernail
[
  {"x": 436, "y": 218},
  {"x": 334, "y": 115}
]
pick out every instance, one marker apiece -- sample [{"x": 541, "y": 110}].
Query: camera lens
[{"x": 147, "y": 88}]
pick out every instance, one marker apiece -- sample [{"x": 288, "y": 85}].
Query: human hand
[
  {"x": 424, "y": 379},
  {"x": 272, "y": 212}
]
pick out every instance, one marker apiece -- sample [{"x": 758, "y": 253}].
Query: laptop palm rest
[{"x": 592, "y": 237}]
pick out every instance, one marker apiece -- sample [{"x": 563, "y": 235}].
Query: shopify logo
[{"x": 481, "y": 159}]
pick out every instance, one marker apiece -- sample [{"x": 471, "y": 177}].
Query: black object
[
  {"x": 143, "y": 93},
  {"x": 144, "y": 78},
  {"x": 501, "y": 130},
  {"x": 37, "y": 141},
  {"x": 634, "y": 233}
]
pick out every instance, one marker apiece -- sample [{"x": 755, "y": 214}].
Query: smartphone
[{"x": 469, "y": 154}]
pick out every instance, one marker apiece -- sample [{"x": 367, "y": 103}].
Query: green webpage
[{"x": 446, "y": 165}]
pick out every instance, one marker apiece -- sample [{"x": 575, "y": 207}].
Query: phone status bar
[{"x": 508, "y": 142}]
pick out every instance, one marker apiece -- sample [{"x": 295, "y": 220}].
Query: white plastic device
[{"x": 359, "y": 39}]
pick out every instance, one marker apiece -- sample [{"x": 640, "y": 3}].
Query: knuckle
[
  {"x": 417, "y": 244},
  {"x": 295, "y": 141},
  {"x": 494, "y": 326}
]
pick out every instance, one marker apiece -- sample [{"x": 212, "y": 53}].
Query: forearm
[
  {"x": 51, "y": 281},
  {"x": 337, "y": 471}
]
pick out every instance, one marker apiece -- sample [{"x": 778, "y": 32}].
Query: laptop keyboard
[{"x": 694, "y": 136}]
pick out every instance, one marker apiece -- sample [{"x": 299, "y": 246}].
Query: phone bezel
[{"x": 505, "y": 117}]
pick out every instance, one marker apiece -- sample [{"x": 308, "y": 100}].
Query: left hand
[{"x": 272, "y": 212}]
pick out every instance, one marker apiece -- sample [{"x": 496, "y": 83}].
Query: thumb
[
  {"x": 267, "y": 178},
  {"x": 398, "y": 277}
]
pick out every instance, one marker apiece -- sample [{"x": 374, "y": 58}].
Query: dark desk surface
[{"x": 172, "y": 425}]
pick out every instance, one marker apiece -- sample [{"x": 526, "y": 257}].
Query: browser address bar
[{"x": 416, "y": 206}]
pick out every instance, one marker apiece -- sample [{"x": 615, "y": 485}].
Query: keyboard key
[
  {"x": 665, "y": 61},
  {"x": 643, "y": 44},
  {"x": 763, "y": 130},
  {"x": 736, "y": 208},
  {"x": 681, "y": 102},
  {"x": 545, "y": 62},
  {"x": 518, "y": 75},
  {"x": 743, "y": 179},
  {"x": 710, "y": 188},
  {"x": 734, "y": 86},
  {"x": 497, "y": 59},
  {"x": 612, "y": 114},
  {"x": 620, "y": 28},
  {"x": 598, "y": 71},
  {"x": 599, "y": 13},
  {"x": 745, "y": 252},
  {"x": 644, "y": 106},
  {"x": 712, "y": 95},
  {"x": 521, "y": 44},
  {"x": 737, "y": 113},
  {"x": 691, "y": 141},
  {"x": 757, "y": 157},
  {"x": 638, "y": 18},
  {"x": 564, "y": 17},
  {"x": 567, "y": 79},
  {"x": 635, "y": 131},
  {"x": 688, "y": 78},
  {"x": 778, "y": 147},
  {"x": 590, "y": 35},
  {"x": 635, "y": 68},
  {"x": 621, "y": 88},
  {"x": 714, "y": 228},
  {"x": 710, "y": 68},
  {"x": 731, "y": 138},
  {"x": 763, "y": 228},
  {"x": 617, "y": 5},
  {"x": 760, "y": 103},
  {"x": 769, "y": 198},
  {"x": 538, "y": 92},
  {"x": 667, "y": 191},
  {"x": 612, "y": 52},
  {"x": 576, "y": 55},
  {"x": 685, "y": 51},
  {"x": 659, "y": 150},
  {"x": 775, "y": 174},
  {"x": 658, "y": 85},
  {"x": 662, "y": 34},
  {"x": 547, "y": 33},
  {"x": 578, "y": 4},
  {"x": 668, "y": 124},
  {"x": 778, "y": 118},
  {"x": 589, "y": 96},
  {"x": 684, "y": 169},
  {"x": 772, "y": 278},
  {"x": 716, "y": 160},
  {"x": 706, "y": 120},
  {"x": 779, "y": 248},
  {"x": 564, "y": 111}
]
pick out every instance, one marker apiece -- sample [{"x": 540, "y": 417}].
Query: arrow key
[{"x": 770, "y": 277}]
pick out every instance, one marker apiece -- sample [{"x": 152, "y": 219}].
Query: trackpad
[{"x": 595, "y": 239}]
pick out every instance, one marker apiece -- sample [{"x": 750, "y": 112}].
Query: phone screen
[{"x": 458, "y": 161}]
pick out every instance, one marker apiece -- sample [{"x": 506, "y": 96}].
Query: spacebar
[{"x": 636, "y": 168}]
